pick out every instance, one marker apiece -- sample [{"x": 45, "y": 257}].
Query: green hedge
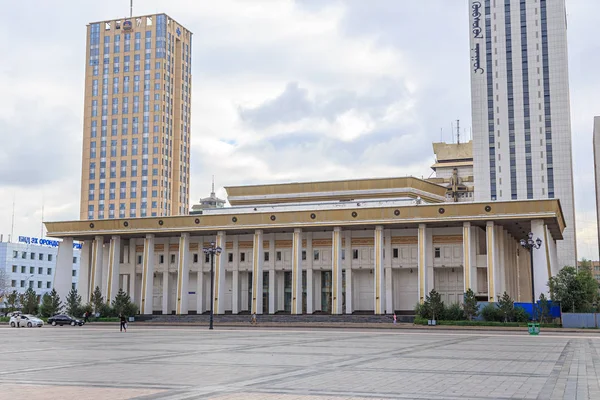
[{"x": 423, "y": 321}]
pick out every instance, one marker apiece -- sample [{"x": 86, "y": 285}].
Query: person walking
[
  {"x": 123, "y": 323},
  {"x": 394, "y": 317},
  {"x": 86, "y": 317},
  {"x": 253, "y": 319}
]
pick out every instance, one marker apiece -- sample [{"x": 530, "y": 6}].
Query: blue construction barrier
[
  {"x": 580, "y": 320},
  {"x": 554, "y": 309}
]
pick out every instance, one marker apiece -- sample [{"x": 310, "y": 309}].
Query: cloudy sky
[{"x": 283, "y": 90}]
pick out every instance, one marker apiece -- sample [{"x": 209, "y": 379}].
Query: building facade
[
  {"x": 521, "y": 107},
  {"x": 454, "y": 169},
  {"x": 31, "y": 263},
  {"x": 375, "y": 245},
  {"x": 137, "y": 118},
  {"x": 596, "y": 145}
]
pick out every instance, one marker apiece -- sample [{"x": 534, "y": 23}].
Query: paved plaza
[{"x": 99, "y": 362}]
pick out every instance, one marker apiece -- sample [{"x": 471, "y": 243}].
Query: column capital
[
  {"x": 297, "y": 230},
  {"x": 489, "y": 223},
  {"x": 467, "y": 224},
  {"x": 337, "y": 229},
  {"x": 185, "y": 234},
  {"x": 258, "y": 232},
  {"x": 115, "y": 237},
  {"x": 150, "y": 236},
  {"x": 422, "y": 226},
  {"x": 379, "y": 228},
  {"x": 99, "y": 238}
]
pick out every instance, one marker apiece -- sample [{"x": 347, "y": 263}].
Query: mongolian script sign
[
  {"x": 476, "y": 58},
  {"x": 476, "y": 27}
]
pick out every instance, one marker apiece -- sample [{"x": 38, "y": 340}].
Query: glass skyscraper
[
  {"x": 136, "y": 143},
  {"x": 521, "y": 107}
]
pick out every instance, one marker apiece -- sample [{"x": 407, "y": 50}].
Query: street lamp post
[
  {"x": 212, "y": 250},
  {"x": 530, "y": 245}
]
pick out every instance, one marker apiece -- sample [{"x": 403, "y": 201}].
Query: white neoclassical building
[{"x": 370, "y": 245}]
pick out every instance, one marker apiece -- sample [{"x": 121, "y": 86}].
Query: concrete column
[
  {"x": 541, "y": 260},
  {"x": 378, "y": 277},
  {"x": 64, "y": 267},
  {"x": 422, "y": 262},
  {"x": 490, "y": 239},
  {"x": 147, "y": 276},
  {"x": 348, "y": 267},
  {"x": 336, "y": 271},
  {"x": 96, "y": 267},
  {"x": 272, "y": 289},
  {"x": 114, "y": 258},
  {"x": 310, "y": 299},
  {"x": 104, "y": 283},
  {"x": 467, "y": 256},
  {"x": 501, "y": 287},
  {"x": 165, "y": 293},
  {"x": 220, "y": 288},
  {"x": 235, "y": 291},
  {"x": 297, "y": 272},
  {"x": 83, "y": 283},
  {"x": 257, "y": 273},
  {"x": 200, "y": 290},
  {"x": 183, "y": 274},
  {"x": 389, "y": 302}
]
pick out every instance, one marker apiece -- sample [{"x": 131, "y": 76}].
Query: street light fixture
[
  {"x": 530, "y": 245},
  {"x": 212, "y": 250}
]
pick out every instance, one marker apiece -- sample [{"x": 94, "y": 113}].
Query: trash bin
[{"x": 534, "y": 328}]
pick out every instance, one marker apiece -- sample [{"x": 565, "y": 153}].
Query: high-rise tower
[
  {"x": 136, "y": 143},
  {"x": 520, "y": 106}
]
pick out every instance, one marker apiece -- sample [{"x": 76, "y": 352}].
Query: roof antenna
[
  {"x": 458, "y": 131},
  {"x": 130, "y": 8},
  {"x": 213, "y": 186}
]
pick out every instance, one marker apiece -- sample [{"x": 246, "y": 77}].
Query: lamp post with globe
[
  {"x": 212, "y": 250},
  {"x": 530, "y": 244}
]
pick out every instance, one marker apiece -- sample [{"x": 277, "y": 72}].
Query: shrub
[
  {"x": 506, "y": 305},
  {"x": 520, "y": 315},
  {"x": 454, "y": 313},
  {"x": 491, "y": 313}
]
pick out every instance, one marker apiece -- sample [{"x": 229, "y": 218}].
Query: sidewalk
[{"x": 342, "y": 325}]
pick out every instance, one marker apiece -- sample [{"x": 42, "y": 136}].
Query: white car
[{"x": 25, "y": 320}]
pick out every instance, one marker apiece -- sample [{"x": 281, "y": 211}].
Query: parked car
[
  {"x": 25, "y": 320},
  {"x": 63, "y": 319}
]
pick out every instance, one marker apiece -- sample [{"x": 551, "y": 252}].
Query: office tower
[
  {"x": 596, "y": 142},
  {"x": 520, "y": 106},
  {"x": 136, "y": 143}
]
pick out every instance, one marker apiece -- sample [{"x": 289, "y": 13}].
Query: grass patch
[{"x": 423, "y": 321}]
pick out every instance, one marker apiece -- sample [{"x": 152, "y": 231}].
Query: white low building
[
  {"x": 30, "y": 262},
  {"x": 375, "y": 245}
]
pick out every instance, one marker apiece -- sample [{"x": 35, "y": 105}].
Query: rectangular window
[
  {"x": 39, "y": 284},
  {"x": 14, "y": 269},
  {"x": 355, "y": 254},
  {"x": 195, "y": 257},
  {"x": 139, "y": 259},
  {"x": 23, "y": 269},
  {"x": 40, "y": 270},
  {"x": 437, "y": 252},
  {"x": 207, "y": 258},
  {"x": 74, "y": 273},
  {"x": 230, "y": 257},
  {"x": 278, "y": 256},
  {"x": 15, "y": 254},
  {"x": 316, "y": 255},
  {"x": 161, "y": 259},
  {"x": 303, "y": 255},
  {"x": 242, "y": 257},
  {"x": 48, "y": 285},
  {"x": 32, "y": 270},
  {"x": 395, "y": 253},
  {"x": 13, "y": 283},
  {"x": 49, "y": 257},
  {"x": 266, "y": 257},
  {"x": 49, "y": 272},
  {"x": 172, "y": 258},
  {"x": 40, "y": 256}
]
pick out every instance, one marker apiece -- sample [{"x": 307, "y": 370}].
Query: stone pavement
[{"x": 99, "y": 362}]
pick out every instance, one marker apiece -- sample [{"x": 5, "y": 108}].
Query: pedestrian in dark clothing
[
  {"x": 86, "y": 317},
  {"x": 123, "y": 323}
]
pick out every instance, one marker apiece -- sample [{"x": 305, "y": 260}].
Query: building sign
[
  {"x": 127, "y": 25},
  {"x": 476, "y": 26},
  {"x": 477, "y": 32},
  {"x": 476, "y": 58},
  {"x": 44, "y": 242}
]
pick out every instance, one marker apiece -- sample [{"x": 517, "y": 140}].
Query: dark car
[{"x": 63, "y": 319}]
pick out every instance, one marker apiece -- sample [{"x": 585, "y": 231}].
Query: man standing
[{"x": 123, "y": 323}]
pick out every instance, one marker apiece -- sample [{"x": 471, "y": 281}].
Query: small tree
[
  {"x": 13, "y": 301},
  {"x": 5, "y": 286},
  {"x": 543, "y": 308},
  {"x": 73, "y": 304},
  {"x": 470, "y": 304},
  {"x": 506, "y": 306},
  {"x": 121, "y": 302},
  {"x": 29, "y": 301},
  {"x": 51, "y": 304},
  {"x": 576, "y": 291},
  {"x": 434, "y": 303},
  {"x": 97, "y": 300}
]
